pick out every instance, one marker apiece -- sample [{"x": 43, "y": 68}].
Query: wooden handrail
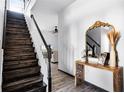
[
  {"x": 4, "y": 25},
  {"x": 49, "y": 52},
  {"x": 41, "y": 35}
]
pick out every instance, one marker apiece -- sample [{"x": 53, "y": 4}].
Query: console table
[{"x": 117, "y": 74}]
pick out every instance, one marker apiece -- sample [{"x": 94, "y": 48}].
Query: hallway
[
  {"x": 35, "y": 34},
  {"x": 65, "y": 83}
]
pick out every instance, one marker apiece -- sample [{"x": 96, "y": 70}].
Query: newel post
[{"x": 49, "y": 69}]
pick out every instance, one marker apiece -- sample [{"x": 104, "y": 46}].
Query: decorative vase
[
  {"x": 113, "y": 57},
  {"x": 113, "y": 37}
]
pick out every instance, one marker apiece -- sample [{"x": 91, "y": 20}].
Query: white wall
[
  {"x": 16, "y": 5},
  {"x": 75, "y": 20},
  {"x": 2, "y": 4},
  {"x": 1, "y": 20},
  {"x": 46, "y": 20}
]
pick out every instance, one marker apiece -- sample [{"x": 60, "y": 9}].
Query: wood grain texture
[
  {"x": 98, "y": 66},
  {"x": 62, "y": 82},
  {"x": 117, "y": 74},
  {"x": 118, "y": 80},
  {"x": 79, "y": 74}
]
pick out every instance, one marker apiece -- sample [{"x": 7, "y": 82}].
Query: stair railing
[
  {"x": 90, "y": 45},
  {"x": 4, "y": 25},
  {"x": 49, "y": 52},
  {"x": 93, "y": 40}
]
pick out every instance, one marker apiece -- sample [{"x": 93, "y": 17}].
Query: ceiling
[{"x": 53, "y": 5}]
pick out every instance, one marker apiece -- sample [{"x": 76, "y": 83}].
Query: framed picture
[{"x": 104, "y": 58}]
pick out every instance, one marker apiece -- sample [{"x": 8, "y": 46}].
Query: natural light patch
[{"x": 16, "y": 5}]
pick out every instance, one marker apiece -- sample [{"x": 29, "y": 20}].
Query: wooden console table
[{"x": 117, "y": 74}]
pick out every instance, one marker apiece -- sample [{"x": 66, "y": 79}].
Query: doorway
[{"x": 16, "y": 5}]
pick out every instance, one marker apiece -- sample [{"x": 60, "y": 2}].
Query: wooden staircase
[{"x": 21, "y": 71}]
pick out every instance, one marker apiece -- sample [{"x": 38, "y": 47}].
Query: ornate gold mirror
[{"x": 97, "y": 41}]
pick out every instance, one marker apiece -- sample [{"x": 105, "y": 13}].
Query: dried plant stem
[{"x": 113, "y": 37}]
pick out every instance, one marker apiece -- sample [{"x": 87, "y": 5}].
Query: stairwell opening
[{"x": 16, "y": 5}]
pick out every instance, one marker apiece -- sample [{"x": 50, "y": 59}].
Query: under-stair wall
[
  {"x": 37, "y": 43},
  {"x": 42, "y": 23}
]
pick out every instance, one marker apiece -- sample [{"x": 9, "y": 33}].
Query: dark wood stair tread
[
  {"x": 20, "y": 62},
  {"x": 19, "y": 41},
  {"x": 17, "y": 32},
  {"x": 17, "y": 23},
  {"x": 12, "y": 86},
  {"x": 14, "y": 13},
  {"x": 39, "y": 88},
  {"x": 16, "y": 16},
  {"x": 19, "y": 66},
  {"x": 14, "y": 23},
  {"x": 20, "y": 73},
  {"x": 18, "y": 38},
  {"x": 17, "y": 47},
  {"x": 16, "y": 29},
  {"x": 18, "y": 35},
  {"x": 16, "y": 26},
  {"x": 20, "y": 16},
  {"x": 13, "y": 51},
  {"x": 19, "y": 44},
  {"x": 15, "y": 19},
  {"x": 19, "y": 53},
  {"x": 19, "y": 57}
]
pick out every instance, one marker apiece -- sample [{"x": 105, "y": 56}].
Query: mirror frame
[{"x": 94, "y": 26}]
